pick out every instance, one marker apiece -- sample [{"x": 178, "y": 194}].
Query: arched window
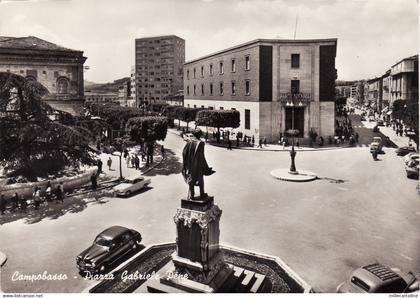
[
  {"x": 30, "y": 78},
  {"x": 62, "y": 85}
]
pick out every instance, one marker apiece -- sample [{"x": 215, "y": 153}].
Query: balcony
[{"x": 299, "y": 99}]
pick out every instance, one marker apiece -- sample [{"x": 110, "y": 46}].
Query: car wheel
[{"x": 128, "y": 193}]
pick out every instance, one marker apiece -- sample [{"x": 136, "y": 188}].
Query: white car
[
  {"x": 130, "y": 185},
  {"x": 413, "y": 156}
]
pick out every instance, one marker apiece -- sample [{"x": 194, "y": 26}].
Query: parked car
[
  {"x": 380, "y": 122},
  {"x": 410, "y": 157},
  {"x": 377, "y": 278},
  {"x": 130, "y": 185},
  {"x": 376, "y": 144},
  {"x": 109, "y": 246},
  {"x": 412, "y": 170},
  {"x": 402, "y": 151}
]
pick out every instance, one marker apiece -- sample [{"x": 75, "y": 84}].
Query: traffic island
[{"x": 298, "y": 176}]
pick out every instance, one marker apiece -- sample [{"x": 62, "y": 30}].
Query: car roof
[
  {"x": 134, "y": 176},
  {"x": 375, "y": 275},
  {"x": 113, "y": 232}
]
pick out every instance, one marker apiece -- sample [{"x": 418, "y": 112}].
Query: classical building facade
[
  {"x": 405, "y": 79},
  {"x": 158, "y": 67},
  {"x": 57, "y": 68},
  {"x": 276, "y": 85}
]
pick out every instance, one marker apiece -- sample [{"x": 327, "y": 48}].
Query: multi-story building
[
  {"x": 158, "y": 67},
  {"x": 405, "y": 79},
  {"x": 58, "y": 69},
  {"x": 124, "y": 94},
  {"x": 133, "y": 84},
  {"x": 276, "y": 85},
  {"x": 374, "y": 93},
  {"x": 386, "y": 90},
  {"x": 102, "y": 97}
]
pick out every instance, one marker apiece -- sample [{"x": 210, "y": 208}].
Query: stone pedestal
[{"x": 198, "y": 259}]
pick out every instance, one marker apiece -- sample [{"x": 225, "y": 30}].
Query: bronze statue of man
[{"x": 195, "y": 165}]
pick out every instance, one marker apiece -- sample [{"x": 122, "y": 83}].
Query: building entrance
[{"x": 298, "y": 117}]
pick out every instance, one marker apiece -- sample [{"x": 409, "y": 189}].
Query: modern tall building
[
  {"x": 158, "y": 67},
  {"x": 58, "y": 69},
  {"x": 276, "y": 85}
]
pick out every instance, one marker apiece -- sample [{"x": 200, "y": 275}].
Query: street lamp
[{"x": 293, "y": 132}]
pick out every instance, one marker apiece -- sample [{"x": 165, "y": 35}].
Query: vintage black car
[
  {"x": 403, "y": 151},
  {"x": 108, "y": 247}
]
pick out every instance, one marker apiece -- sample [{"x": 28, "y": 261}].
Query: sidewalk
[
  {"x": 272, "y": 147},
  {"x": 392, "y": 135}
]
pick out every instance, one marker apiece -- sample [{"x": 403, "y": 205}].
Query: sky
[{"x": 372, "y": 34}]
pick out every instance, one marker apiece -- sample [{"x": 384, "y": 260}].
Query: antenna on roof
[{"x": 294, "y": 36}]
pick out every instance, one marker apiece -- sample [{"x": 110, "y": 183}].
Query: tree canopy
[
  {"x": 218, "y": 118},
  {"x": 147, "y": 129},
  {"x": 35, "y": 139}
]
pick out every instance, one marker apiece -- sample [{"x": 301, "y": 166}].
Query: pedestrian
[
  {"x": 133, "y": 161},
  {"x": 14, "y": 200},
  {"x": 237, "y": 140},
  {"x": 22, "y": 204},
  {"x": 125, "y": 153},
  {"x": 37, "y": 197},
  {"x": 265, "y": 142},
  {"x": 253, "y": 141},
  {"x": 58, "y": 194},
  {"x": 143, "y": 155},
  {"x": 375, "y": 154},
  {"x": 321, "y": 141},
  {"x": 137, "y": 162},
  {"x": 99, "y": 163},
  {"x": 162, "y": 150},
  {"x": 229, "y": 144},
  {"x": 128, "y": 160},
  {"x": 48, "y": 192},
  {"x": 297, "y": 143},
  {"x": 109, "y": 163},
  {"x": 356, "y": 137},
  {"x": 2, "y": 204},
  {"x": 260, "y": 143},
  {"x": 93, "y": 180}
]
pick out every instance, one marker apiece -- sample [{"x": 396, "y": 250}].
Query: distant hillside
[
  {"x": 88, "y": 83},
  {"x": 110, "y": 87}
]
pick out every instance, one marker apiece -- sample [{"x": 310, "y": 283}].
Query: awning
[
  {"x": 389, "y": 113},
  {"x": 384, "y": 110}
]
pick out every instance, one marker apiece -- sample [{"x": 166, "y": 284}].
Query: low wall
[{"x": 27, "y": 189}]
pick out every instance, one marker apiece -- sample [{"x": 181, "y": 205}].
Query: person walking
[
  {"x": 58, "y": 194},
  {"x": 99, "y": 163},
  {"x": 48, "y": 192},
  {"x": 260, "y": 143},
  {"x": 229, "y": 144},
  {"x": 94, "y": 181},
  {"x": 14, "y": 200},
  {"x": 137, "y": 162},
  {"x": 128, "y": 160},
  {"x": 109, "y": 163},
  {"x": 253, "y": 141},
  {"x": 133, "y": 161},
  {"x": 2, "y": 204},
  {"x": 22, "y": 204},
  {"x": 162, "y": 151},
  {"x": 63, "y": 194},
  {"x": 265, "y": 142},
  {"x": 37, "y": 197}
]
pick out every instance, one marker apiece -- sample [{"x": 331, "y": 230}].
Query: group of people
[{"x": 20, "y": 203}]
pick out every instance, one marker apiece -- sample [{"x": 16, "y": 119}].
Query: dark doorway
[{"x": 299, "y": 117}]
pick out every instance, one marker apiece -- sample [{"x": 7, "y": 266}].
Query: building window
[
  {"x": 194, "y": 72},
  {"x": 247, "y": 88},
  {"x": 195, "y": 106},
  {"x": 221, "y": 108},
  {"x": 202, "y": 106},
  {"x": 233, "y": 88},
  {"x": 294, "y": 86},
  {"x": 247, "y": 119},
  {"x": 221, "y": 88},
  {"x": 202, "y": 89},
  {"x": 195, "y": 89},
  {"x": 221, "y": 68},
  {"x": 247, "y": 63},
  {"x": 233, "y": 65},
  {"x": 188, "y": 90},
  {"x": 188, "y": 74},
  {"x": 211, "y": 69},
  {"x": 211, "y": 88},
  {"x": 62, "y": 85},
  {"x": 295, "y": 60},
  {"x": 202, "y": 71}
]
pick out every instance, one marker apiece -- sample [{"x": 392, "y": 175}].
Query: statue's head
[{"x": 197, "y": 133}]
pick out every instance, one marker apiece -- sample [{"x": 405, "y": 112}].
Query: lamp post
[{"x": 293, "y": 132}]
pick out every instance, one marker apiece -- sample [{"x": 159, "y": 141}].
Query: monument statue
[{"x": 194, "y": 165}]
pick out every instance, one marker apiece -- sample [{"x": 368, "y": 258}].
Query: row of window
[
  {"x": 221, "y": 88},
  {"x": 295, "y": 63},
  {"x": 221, "y": 68}
]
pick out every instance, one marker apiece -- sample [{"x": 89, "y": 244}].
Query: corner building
[
  {"x": 158, "y": 67},
  {"x": 276, "y": 85}
]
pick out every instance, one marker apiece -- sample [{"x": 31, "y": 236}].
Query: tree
[
  {"x": 158, "y": 106},
  {"x": 187, "y": 114},
  {"x": 35, "y": 139},
  {"x": 147, "y": 130},
  {"x": 218, "y": 119}
]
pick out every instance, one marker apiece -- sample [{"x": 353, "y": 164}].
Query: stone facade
[
  {"x": 261, "y": 78},
  {"x": 58, "y": 69}
]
